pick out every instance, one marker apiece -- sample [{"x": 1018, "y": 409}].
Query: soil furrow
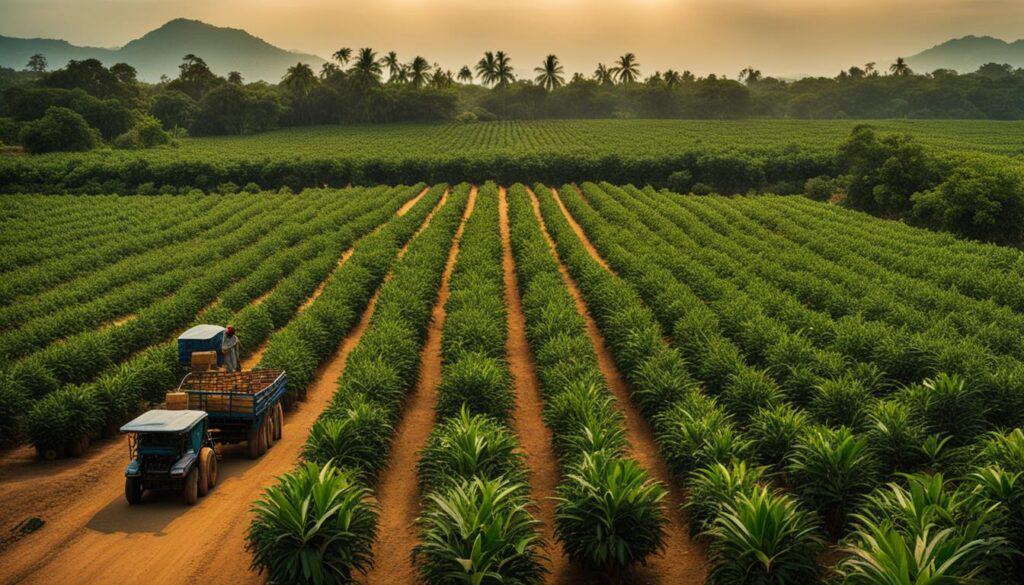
[
  {"x": 397, "y": 487},
  {"x": 527, "y": 416},
  {"x": 683, "y": 559}
]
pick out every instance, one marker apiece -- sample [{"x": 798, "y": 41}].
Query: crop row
[
  {"x": 333, "y": 535},
  {"x": 55, "y": 270},
  {"x": 609, "y": 512},
  {"x": 831, "y": 438},
  {"x": 74, "y": 412},
  {"x": 325, "y": 208},
  {"x": 476, "y": 520}
]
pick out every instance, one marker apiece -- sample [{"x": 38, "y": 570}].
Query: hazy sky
[{"x": 781, "y": 37}]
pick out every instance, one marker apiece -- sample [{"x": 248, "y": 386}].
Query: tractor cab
[{"x": 170, "y": 450}]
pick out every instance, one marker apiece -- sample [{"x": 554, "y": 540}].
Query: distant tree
[
  {"x": 900, "y": 68},
  {"x": 60, "y": 130},
  {"x": 671, "y": 77},
  {"x": 654, "y": 79},
  {"x": 441, "y": 78},
  {"x": 419, "y": 70},
  {"x": 124, "y": 73},
  {"x": 626, "y": 69},
  {"x": 687, "y": 77},
  {"x": 195, "y": 76},
  {"x": 750, "y": 75},
  {"x": 393, "y": 65},
  {"x": 329, "y": 70},
  {"x": 550, "y": 73},
  {"x": 402, "y": 76},
  {"x": 465, "y": 74},
  {"x": 37, "y": 63},
  {"x": 366, "y": 67},
  {"x": 174, "y": 109},
  {"x": 995, "y": 70},
  {"x": 90, "y": 76},
  {"x": 486, "y": 68},
  {"x": 299, "y": 79},
  {"x": 856, "y": 72},
  {"x": 235, "y": 77},
  {"x": 343, "y": 55},
  {"x": 504, "y": 73},
  {"x": 604, "y": 75}
]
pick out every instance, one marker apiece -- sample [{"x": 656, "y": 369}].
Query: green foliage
[
  {"x": 468, "y": 446},
  {"x": 356, "y": 436},
  {"x": 316, "y": 525},
  {"x": 775, "y": 431},
  {"x": 948, "y": 406},
  {"x": 711, "y": 488},
  {"x": 59, "y": 130},
  {"x": 608, "y": 515},
  {"x": 763, "y": 537},
  {"x": 479, "y": 531},
  {"x": 832, "y": 470},
  {"x": 479, "y": 383}
]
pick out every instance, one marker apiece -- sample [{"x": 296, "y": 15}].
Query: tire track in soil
[
  {"x": 91, "y": 532},
  {"x": 397, "y": 486},
  {"x": 683, "y": 560},
  {"x": 527, "y": 422}
]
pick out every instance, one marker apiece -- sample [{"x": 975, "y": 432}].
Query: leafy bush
[
  {"x": 609, "y": 514},
  {"x": 749, "y": 390},
  {"x": 833, "y": 470},
  {"x": 713, "y": 487},
  {"x": 59, "y": 130},
  {"x": 479, "y": 530},
  {"x": 843, "y": 401},
  {"x": 468, "y": 446},
  {"x": 478, "y": 383},
  {"x": 947, "y": 405},
  {"x": 774, "y": 432},
  {"x": 764, "y": 538},
  {"x": 354, "y": 437},
  {"x": 316, "y": 525}
]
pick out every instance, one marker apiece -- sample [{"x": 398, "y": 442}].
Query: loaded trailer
[{"x": 177, "y": 448}]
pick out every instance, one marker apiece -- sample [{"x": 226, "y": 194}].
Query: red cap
[{"x": 231, "y": 330}]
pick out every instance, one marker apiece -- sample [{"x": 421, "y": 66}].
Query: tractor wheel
[
  {"x": 271, "y": 429},
  {"x": 278, "y": 413},
  {"x": 133, "y": 490},
  {"x": 214, "y": 469},
  {"x": 253, "y": 442},
  {"x": 205, "y": 481},
  {"x": 262, "y": 442},
  {"x": 191, "y": 491}
]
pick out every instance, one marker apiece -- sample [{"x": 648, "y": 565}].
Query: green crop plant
[{"x": 316, "y": 525}]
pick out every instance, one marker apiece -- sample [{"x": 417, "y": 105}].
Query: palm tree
[
  {"x": 750, "y": 75},
  {"x": 900, "y": 68},
  {"x": 486, "y": 68},
  {"x": 393, "y": 64},
  {"x": 235, "y": 78},
  {"x": 869, "y": 69},
  {"x": 366, "y": 66},
  {"x": 441, "y": 78},
  {"x": 343, "y": 55},
  {"x": 603, "y": 75},
  {"x": 626, "y": 69},
  {"x": 299, "y": 79},
  {"x": 419, "y": 71},
  {"x": 549, "y": 74},
  {"x": 328, "y": 70},
  {"x": 671, "y": 77},
  {"x": 466, "y": 74},
  {"x": 504, "y": 73}
]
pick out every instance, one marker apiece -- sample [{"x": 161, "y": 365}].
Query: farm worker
[{"x": 230, "y": 348}]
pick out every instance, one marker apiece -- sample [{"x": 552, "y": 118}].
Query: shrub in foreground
[
  {"x": 609, "y": 515},
  {"x": 479, "y": 530},
  {"x": 316, "y": 525}
]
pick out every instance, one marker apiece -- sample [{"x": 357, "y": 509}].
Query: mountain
[
  {"x": 967, "y": 54},
  {"x": 159, "y": 52}
]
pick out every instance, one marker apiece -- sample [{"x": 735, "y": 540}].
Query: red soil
[
  {"x": 534, "y": 436},
  {"x": 397, "y": 489},
  {"x": 683, "y": 560}
]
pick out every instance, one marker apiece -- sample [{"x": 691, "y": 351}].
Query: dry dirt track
[{"x": 91, "y": 534}]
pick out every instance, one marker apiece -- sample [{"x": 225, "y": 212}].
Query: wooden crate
[{"x": 177, "y": 401}]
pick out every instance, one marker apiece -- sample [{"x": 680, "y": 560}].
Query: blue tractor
[{"x": 170, "y": 450}]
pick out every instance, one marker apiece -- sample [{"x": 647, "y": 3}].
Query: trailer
[{"x": 242, "y": 406}]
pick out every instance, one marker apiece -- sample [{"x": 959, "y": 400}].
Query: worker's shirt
[{"x": 230, "y": 350}]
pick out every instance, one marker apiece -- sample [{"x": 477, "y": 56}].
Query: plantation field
[
  {"x": 563, "y": 384},
  {"x": 780, "y": 154}
]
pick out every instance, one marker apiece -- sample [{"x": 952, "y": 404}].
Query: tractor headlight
[
  {"x": 181, "y": 466},
  {"x": 134, "y": 469}
]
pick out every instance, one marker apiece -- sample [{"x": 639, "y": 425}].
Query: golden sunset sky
[{"x": 780, "y": 37}]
